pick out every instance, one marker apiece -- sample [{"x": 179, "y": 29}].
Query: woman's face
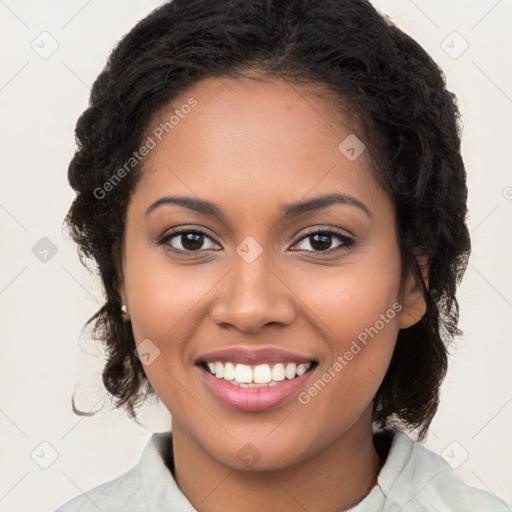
[{"x": 270, "y": 281}]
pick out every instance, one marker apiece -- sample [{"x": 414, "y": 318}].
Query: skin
[{"x": 251, "y": 147}]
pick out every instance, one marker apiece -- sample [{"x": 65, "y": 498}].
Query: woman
[{"x": 275, "y": 198}]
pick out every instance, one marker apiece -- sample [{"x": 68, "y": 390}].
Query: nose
[{"x": 251, "y": 296}]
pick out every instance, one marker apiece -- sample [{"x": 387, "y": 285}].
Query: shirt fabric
[{"x": 412, "y": 479}]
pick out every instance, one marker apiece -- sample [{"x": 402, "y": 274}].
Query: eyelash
[{"x": 347, "y": 241}]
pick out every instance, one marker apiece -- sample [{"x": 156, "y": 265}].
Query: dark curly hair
[{"x": 411, "y": 126}]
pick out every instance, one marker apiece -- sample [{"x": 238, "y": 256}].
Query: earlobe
[
  {"x": 123, "y": 308},
  {"x": 121, "y": 288},
  {"x": 120, "y": 272},
  {"x": 122, "y": 296},
  {"x": 414, "y": 305}
]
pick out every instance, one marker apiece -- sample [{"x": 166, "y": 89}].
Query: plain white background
[{"x": 43, "y": 305}]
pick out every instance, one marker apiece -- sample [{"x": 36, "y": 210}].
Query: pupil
[
  {"x": 321, "y": 242},
  {"x": 191, "y": 241}
]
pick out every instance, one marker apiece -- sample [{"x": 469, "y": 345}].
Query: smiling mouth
[{"x": 260, "y": 375}]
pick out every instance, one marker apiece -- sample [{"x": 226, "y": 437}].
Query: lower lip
[{"x": 257, "y": 398}]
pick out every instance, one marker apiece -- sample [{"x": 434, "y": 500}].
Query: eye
[
  {"x": 187, "y": 240},
  {"x": 194, "y": 240},
  {"x": 320, "y": 241}
]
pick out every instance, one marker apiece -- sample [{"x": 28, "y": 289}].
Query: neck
[{"x": 334, "y": 479}]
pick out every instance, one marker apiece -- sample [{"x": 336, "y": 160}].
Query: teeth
[
  {"x": 259, "y": 375},
  {"x": 219, "y": 370},
  {"x": 301, "y": 369},
  {"x": 229, "y": 371},
  {"x": 262, "y": 374},
  {"x": 243, "y": 373},
  {"x": 290, "y": 370},
  {"x": 278, "y": 372}
]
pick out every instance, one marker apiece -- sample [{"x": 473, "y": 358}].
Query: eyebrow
[{"x": 287, "y": 212}]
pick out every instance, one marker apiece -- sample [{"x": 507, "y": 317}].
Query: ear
[
  {"x": 121, "y": 289},
  {"x": 413, "y": 302}
]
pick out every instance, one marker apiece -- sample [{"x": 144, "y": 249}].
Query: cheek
[
  {"x": 359, "y": 305},
  {"x": 164, "y": 297},
  {"x": 353, "y": 297}
]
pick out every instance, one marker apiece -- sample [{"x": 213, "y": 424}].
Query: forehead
[{"x": 253, "y": 142}]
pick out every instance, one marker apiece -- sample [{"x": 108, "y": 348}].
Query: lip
[
  {"x": 250, "y": 356},
  {"x": 257, "y": 398}
]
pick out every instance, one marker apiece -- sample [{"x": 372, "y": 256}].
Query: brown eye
[
  {"x": 321, "y": 241},
  {"x": 187, "y": 240}
]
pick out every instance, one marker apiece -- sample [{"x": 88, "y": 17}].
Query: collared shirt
[{"x": 412, "y": 479}]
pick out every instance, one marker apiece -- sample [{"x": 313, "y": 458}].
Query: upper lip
[{"x": 247, "y": 355}]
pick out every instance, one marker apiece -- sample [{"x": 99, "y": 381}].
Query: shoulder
[
  {"x": 143, "y": 484},
  {"x": 117, "y": 495},
  {"x": 415, "y": 478}
]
